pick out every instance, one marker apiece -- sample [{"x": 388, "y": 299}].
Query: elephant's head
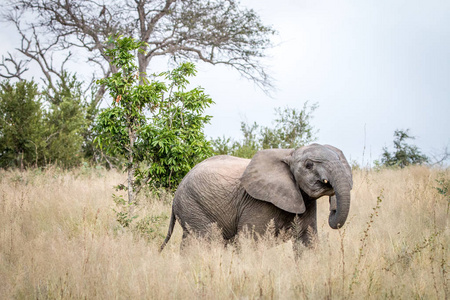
[{"x": 282, "y": 177}]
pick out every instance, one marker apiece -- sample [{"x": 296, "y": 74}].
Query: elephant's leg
[
  {"x": 255, "y": 217},
  {"x": 184, "y": 240},
  {"x": 305, "y": 225},
  {"x": 309, "y": 236},
  {"x": 190, "y": 232},
  {"x": 201, "y": 225},
  {"x": 210, "y": 232}
]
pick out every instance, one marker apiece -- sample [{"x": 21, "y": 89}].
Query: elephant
[{"x": 276, "y": 185}]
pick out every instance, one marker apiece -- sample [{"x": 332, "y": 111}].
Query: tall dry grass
[{"x": 59, "y": 239}]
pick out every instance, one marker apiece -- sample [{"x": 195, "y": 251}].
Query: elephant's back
[
  {"x": 222, "y": 165},
  {"x": 217, "y": 174}
]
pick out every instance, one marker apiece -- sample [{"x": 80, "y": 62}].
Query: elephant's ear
[
  {"x": 268, "y": 178},
  {"x": 344, "y": 161}
]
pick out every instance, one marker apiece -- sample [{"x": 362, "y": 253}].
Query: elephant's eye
[{"x": 309, "y": 165}]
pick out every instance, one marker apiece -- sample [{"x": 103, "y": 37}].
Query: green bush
[
  {"x": 21, "y": 125},
  {"x": 404, "y": 154},
  {"x": 155, "y": 127}
]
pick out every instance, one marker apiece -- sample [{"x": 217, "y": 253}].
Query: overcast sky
[{"x": 372, "y": 66}]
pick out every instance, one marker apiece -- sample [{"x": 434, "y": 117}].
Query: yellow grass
[{"x": 59, "y": 239}]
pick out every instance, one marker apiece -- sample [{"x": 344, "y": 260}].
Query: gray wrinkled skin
[{"x": 276, "y": 184}]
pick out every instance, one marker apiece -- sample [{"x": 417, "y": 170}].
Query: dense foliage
[
  {"x": 66, "y": 124},
  {"x": 38, "y": 128},
  {"x": 155, "y": 127},
  {"x": 20, "y": 124},
  {"x": 292, "y": 129}
]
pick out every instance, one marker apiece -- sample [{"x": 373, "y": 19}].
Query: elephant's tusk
[{"x": 325, "y": 181}]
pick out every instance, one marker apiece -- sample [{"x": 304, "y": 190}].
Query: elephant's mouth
[
  {"x": 325, "y": 183},
  {"x": 323, "y": 188}
]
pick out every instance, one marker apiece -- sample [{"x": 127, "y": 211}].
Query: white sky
[{"x": 373, "y": 66}]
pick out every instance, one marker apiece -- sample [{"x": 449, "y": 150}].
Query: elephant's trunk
[{"x": 341, "y": 184}]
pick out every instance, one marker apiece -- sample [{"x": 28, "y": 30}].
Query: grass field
[{"x": 59, "y": 239}]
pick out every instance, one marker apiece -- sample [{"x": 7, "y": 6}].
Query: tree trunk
[
  {"x": 131, "y": 167},
  {"x": 143, "y": 64},
  {"x": 21, "y": 161}
]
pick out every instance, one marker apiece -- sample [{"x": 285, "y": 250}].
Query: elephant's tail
[{"x": 169, "y": 232}]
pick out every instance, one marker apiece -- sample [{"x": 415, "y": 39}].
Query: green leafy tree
[
  {"x": 404, "y": 154},
  {"x": 157, "y": 128},
  {"x": 222, "y": 145},
  {"x": 21, "y": 124},
  {"x": 292, "y": 129},
  {"x": 66, "y": 122},
  {"x": 175, "y": 140},
  {"x": 39, "y": 128}
]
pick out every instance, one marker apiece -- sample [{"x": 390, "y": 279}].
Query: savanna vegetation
[
  {"x": 85, "y": 193},
  {"x": 60, "y": 239}
]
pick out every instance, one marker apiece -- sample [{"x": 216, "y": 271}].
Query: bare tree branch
[
  {"x": 214, "y": 31},
  {"x": 18, "y": 67},
  {"x": 440, "y": 158}
]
